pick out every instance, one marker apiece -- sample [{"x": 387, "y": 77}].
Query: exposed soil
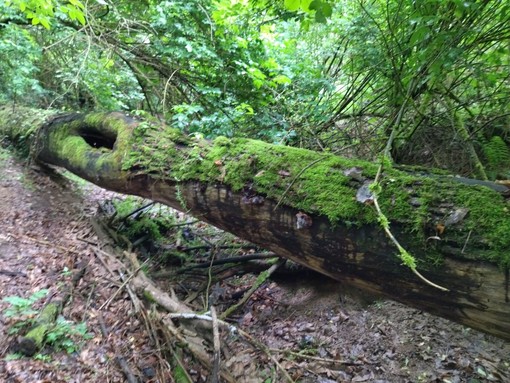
[
  {"x": 316, "y": 328},
  {"x": 43, "y": 222}
]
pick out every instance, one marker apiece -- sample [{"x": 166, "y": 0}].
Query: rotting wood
[
  {"x": 34, "y": 339},
  {"x": 468, "y": 224}
]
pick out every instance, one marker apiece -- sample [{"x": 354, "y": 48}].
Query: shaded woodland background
[{"x": 426, "y": 80}]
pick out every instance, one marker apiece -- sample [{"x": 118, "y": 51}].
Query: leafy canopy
[{"x": 43, "y": 11}]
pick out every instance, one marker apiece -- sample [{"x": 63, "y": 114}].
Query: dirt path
[
  {"x": 335, "y": 334},
  {"x": 43, "y": 224}
]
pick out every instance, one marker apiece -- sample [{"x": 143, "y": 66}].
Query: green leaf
[
  {"x": 322, "y": 9},
  {"x": 327, "y": 9},
  {"x": 45, "y": 23},
  {"x": 305, "y": 5},
  {"x": 17, "y": 301},
  {"x": 292, "y": 5},
  {"x": 81, "y": 18},
  {"x": 315, "y": 5},
  {"x": 419, "y": 35},
  {"x": 319, "y": 17},
  {"x": 281, "y": 79},
  {"x": 77, "y": 4}
]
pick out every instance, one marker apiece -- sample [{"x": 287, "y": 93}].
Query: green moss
[
  {"x": 487, "y": 221},
  {"x": 147, "y": 295},
  {"x": 19, "y": 124},
  {"x": 45, "y": 322},
  {"x": 317, "y": 183},
  {"x": 74, "y": 149},
  {"x": 222, "y": 141},
  {"x": 38, "y": 333}
]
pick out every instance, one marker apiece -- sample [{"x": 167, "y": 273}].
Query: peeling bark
[{"x": 456, "y": 228}]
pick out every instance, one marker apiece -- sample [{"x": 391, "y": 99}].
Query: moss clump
[
  {"x": 488, "y": 221},
  {"x": 154, "y": 225},
  {"x": 19, "y": 124},
  {"x": 149, "y": 297},
  {"x": 222, "y": 141},
  {"x": 35, "y": 338}
]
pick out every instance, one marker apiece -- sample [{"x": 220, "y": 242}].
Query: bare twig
[
  {"x": 234, "y": 330},
  {"x": 45, "y": 243},
  {"x": 467, "y": 240},
  {"x": 401, "y": 248},
  {"x": 216, "y": 346},
  {"x": 126, "y": 281},
  {"x": 260, "y": 280},
  {"x": 318, "y": 359},
  {"x": 125, "y": 369},
  {"x": 216, "y": 262},
  {"x": 209, "y": 279}
]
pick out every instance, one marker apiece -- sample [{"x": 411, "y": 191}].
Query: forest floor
[{"x": 317, "y": 329}]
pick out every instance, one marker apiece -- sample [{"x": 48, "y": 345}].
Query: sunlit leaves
[
  {"x": 74, "y": 10},
  {"x": 321, "y": 9},
  {"x": 43, "y": 11},
  {"x": 292, "y": 5}
]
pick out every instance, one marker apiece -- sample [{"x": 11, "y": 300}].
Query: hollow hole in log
[{"x": 98, "y": 139}]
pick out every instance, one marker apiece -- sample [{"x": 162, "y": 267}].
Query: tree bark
[{"x": 312, "y": 208}]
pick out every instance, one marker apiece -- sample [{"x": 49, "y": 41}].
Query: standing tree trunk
[{"x": 312, "y": 208}]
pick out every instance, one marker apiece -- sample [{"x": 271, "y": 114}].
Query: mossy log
[
  {"x": 312, "y": 208},
  {"x": 34, "y": 339}
]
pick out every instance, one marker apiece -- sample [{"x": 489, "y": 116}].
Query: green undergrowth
[
  {"x": 317, "y": 183},
  {"x": 60, "y": 334},
  {"x": 150, "y": 222}
]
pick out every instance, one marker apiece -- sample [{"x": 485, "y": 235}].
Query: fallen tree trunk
[{"x": 312, "y": 208}]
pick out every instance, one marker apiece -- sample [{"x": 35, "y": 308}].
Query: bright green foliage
[
  {"x": 62, "y": 335},
  {"x": 21, "y": 309},
  {"x": 43, "y": 11},
  {"x": 320, "y": 9},
  {"x": 66, "y": 335}
]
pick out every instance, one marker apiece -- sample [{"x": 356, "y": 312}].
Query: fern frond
[{"x": 497, "y": 155}]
